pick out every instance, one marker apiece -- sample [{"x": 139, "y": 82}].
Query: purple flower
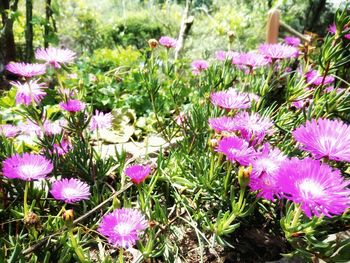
[
  {"x": 222, "y": 124},
  {"x": 138, "y": 173},
  {"x": 28, "y": 92},
  {"x": 101, "y": 121},
  {"x": 315, "y": 186},
  {"x": 72, "y": 105},
  {"x": 26, "y": 70},
  {"x": 236, "y": 150},
  {"x": 198, "y": 66},
  {"x": 27, "y": 167},
  {"x": 230, "y": 99},
  {"x": 8, "y": 130},
  {"x": 52, "y": 128},
  {"x": 333, "y": 29},
  {"x": 251, "y": 59},
  {"x": 292, "y": 41},
  {"x": 265, "y": 168},
  {"x": 278, "y": 51},
  {"x": 314, "y": 78},
  {"x": 225, "y": 55},
  {"x": 325, "y": 138},
  {"x": 70, "y": 190},
  {"x": 253, "y": 127},
  {"x": 123, "y": 226},
  {"x": 168, "y": 42},
  {"x": 62, "y": 148},
  {"x": 55, "y": 56}
]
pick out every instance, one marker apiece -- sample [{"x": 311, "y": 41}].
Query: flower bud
[
  {"x": 32, "y": 219},
  {"x": 153, "y": 43},
  {"x": 68, "y": 215},
  {"x": 231, "y": 35},
  {"x": 244, "y": 175}
]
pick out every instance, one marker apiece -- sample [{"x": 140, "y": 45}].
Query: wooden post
[{"x": 273, "y": 24}]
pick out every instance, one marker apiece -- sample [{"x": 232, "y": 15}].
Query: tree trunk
[
  {"x": 7, "y": 40},
  {"x": 29, "y": 30}
]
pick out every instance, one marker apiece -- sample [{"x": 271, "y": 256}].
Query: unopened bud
[
  {"x": 231, "y": 36},
  {"x": 68, "y": 215},
  {"x": 244, "y": 175},
  {"x": 32, "y": 219},
  {"x": 153, "y": 43}
]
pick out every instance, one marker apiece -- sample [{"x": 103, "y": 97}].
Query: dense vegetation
[{"x": 170, "y": 132}]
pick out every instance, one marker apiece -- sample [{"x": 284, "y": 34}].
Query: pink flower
[
  {"x": 315, "y": 186},
  {"x": 168, "y": 42},
  {"x": 251, "y": 59},
  {"x": 72, "y": 105},
  {"x": 181, "y": 118},
  {"x": 333, "y": 29},
  {"x": 55, "y": 56},
  {"x": 225, "y": 55},
  {"x": 28, "y": 92},
  {"x": 265, "y": 168},
  {"x": 52, "y": 128},
  {"x": 292, "y": 41},
  {"x": 8, "y": 130},
  {"x": 70, "y": 190},
  {"x": 138, "y": 173},
  {"x": 325, "y": 138},
  {"x": 314, "y": 78},
  {"x": 236, "y": 150},
  {"x": 26, "y": 70},
  {"x": 62, "y": 148},
  {"x": 230, "y": 99},
  {"x": 101, "y": 121},
  {"x": 278, "y": 51},
  {"x": 198, "y": 66},
  {"x": 253, "y": 127},
  {"x": 223, "y": 124},
  {"x": 27, "y": 167},
  {"x": 123, "y": 226}
]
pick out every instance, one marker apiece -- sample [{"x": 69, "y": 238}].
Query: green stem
[
  {"x": 212, "y": 164},
  {"x": 297, "y": 212},
  {"x": 263, "y": 91},
  {"x": 78, "y": 250},
  {"x": 121, "y": 250},
  {"x": 227, "y": 177},
  {"x": 240, "y": 199},
  {"x": 25, "y": 205}
]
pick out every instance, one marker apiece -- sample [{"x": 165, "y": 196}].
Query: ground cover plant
[{"x": 251, "y": 162}]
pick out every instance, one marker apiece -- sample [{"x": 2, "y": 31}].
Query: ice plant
[
  {"x": 8, "y": 130},
  {"x": 251, "y": 59},
  {"x": 101, "y": 121},
  {"x": 333, "y": 29},
  {"x": 222, "y": 124},
  {"x": 138, "y": 173},
  {"x": 72, "y": 105},
  {"x": 62, "y": 148},
  {"x": 225, "y": 55},
  {"x": 265, "y": 168},
  {"x": 122, "y": 227},
  {"x": 313, "y": 77},
  {"x": 253, "y": 127},
  {"x": 278, "y": 51},
  {"x": 198, "y": 66},
  {"x": 27, "y": 167},
  {"x": 168, "y": 42},
  {"x": 292, "y": 41},
  {"x": 70, "y": 190},
  {"x": 236, "y": 150},
  {"x": 29, "y": 92},
  {"x": 26, "y": 70},
  {"x": 325, "y": 138},
  {"x": 230, "y": 99},
  {"x": 55, "y": 56},
  {"x": 316, "y": 187}
]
